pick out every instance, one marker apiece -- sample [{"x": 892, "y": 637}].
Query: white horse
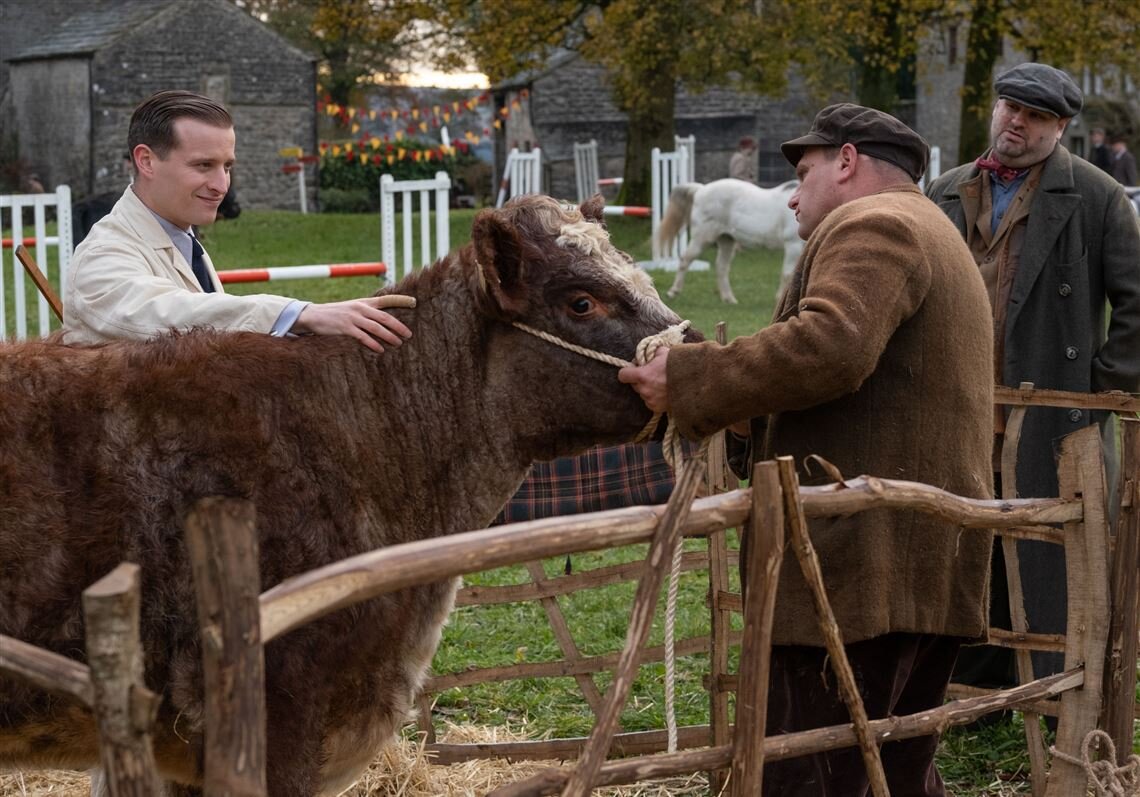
[{"x": 730, "y": 213}]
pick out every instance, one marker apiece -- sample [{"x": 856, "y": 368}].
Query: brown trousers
[{"x": 895, "y": 674}]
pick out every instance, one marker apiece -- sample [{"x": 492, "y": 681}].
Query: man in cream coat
[{"x": 141, "y": 272}]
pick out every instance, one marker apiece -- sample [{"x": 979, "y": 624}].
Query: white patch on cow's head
[{"x": 592, "y": 240}]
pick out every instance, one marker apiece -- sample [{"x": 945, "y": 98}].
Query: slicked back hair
[{"x": 152, "y": 122}]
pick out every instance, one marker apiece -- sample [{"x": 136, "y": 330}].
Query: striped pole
[
  {"x": 51, "y": 240},
  {"x": 610, "y": 181},
  {"x": 626, "y": 210},
  {"x": 302, "y": 272}
]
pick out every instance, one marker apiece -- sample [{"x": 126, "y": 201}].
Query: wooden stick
[
  {"x": 818, "y": 740},
  {"x": 813, "y": 575},
  {"x": 222, "y": 541},
  {"x": 765, "y": 554},
  {"x": 318, "y": 592},
  {"x": 124, "y": 708},
  {"x": 562, "y": 668},
  {"x": 1120, "y": 666},
  {"x": 45, "y": 670},
  {"x": 1114, "y": 401},
  {"x": 1035, "y": 742},
  {"x": 479, "y": 595},
  {"x": 41, "y": 282},
  {"x": 1081, "y": 474},
  {"x": 565, "y": 639},
  {"x": 641, "y": 620},
  {"x": 720, "y": 620}
]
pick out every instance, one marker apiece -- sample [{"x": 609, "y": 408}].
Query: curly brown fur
[{"x": 342, "y": 450}]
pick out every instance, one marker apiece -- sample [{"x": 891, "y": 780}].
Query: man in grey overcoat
[{"x": 1054, "y": 238}]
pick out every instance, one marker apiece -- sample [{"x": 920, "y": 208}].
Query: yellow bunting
[
  {"x": 331, "y": 109},
  {"x": 446, "y": 116},
  {"x": 417, "y": 155},
  {"x": 290, "y": 152},
  {"x": 336, "y": 150},
  {"x": 391, "y": 159},
  {"x": 375, "y": 142},
  {"x": 348, "y": 147},
  {"x": 372, "y": 115},
  {"x": 351, "y": 111},
  {"x": 400, "y": 153},
  {"x": 394, "y": 113},
  {"x": 498, "y": 125},
  {"x": 415, "y": 113},
  {"x": 455, "y": 106},
  {"x": 399, "y": 135},
  {"x": 435, "y": 110},
  {"x": 363, "y": 158},
  {"x": 515, "y": 105},
  {"x": 355, "y": 128},
  {"x": 423, "y": 127}
]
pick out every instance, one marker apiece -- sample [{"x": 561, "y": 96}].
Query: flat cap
[
  {"x": 871, "y": 132},
  {"x": 1041, "y": 87}
]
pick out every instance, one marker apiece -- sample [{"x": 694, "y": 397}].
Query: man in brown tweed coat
[{"x": 879, "y": 359}]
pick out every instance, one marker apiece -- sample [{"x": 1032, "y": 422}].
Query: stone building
[
  {"x": 73, "y": 72},
  {"x": 569, "y": 101}
]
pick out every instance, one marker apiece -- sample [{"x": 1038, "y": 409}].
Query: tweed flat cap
[
  {"x": 871, "y": 132},
  {"x": 1041, "y": 87}
]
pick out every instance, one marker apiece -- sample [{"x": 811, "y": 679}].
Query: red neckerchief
[{"x": 999, "y": 169}]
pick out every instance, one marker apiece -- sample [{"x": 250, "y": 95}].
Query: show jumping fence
[
  {"x": 522, "y": 174},
  {"x": 407, "y": 191},
  {"x": 1095, "y": 689},
  {"x": 49, "y": 250}
]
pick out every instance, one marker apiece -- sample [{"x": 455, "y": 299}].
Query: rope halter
[{"x": 646, "y": 350}]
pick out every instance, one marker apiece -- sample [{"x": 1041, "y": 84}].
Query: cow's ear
[
  {"x": 499, "y": 256},
  {"x": 591, "y": 209}
]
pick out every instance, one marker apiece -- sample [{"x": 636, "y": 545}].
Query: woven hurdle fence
[{"x": 772, "y": 510}]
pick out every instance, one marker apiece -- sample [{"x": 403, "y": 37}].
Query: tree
[
  {"x": 867, "y": 47},
  {"x": 356, "y": 40},
  {"x": 647, "y": 47}
]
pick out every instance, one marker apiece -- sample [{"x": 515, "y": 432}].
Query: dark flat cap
[
  {"x": 1041, "y": 87},
  {"x": 872, "y": 132}
]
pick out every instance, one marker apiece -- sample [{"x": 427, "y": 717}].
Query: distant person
[
  {"x": 141, "y": 271},
  {"x": 1056, "y": 243},
  {"x": 1123, "y": 163},
  {"x": 742, "y": 165},
  {"x": 1099, "y": 155}
]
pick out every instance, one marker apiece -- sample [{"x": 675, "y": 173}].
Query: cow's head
[{"x": 554, "y": 268}]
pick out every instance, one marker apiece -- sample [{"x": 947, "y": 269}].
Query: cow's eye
[{"x": 582, "y": 305}]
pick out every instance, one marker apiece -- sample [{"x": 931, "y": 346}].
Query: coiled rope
[
  {"x": 1107, "y": 779},
  {"x": 674, "y": 455}
]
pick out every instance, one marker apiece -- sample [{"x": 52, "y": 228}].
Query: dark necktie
[
  {"x": 999, "y": 169},
  {"x": 198, "y": 266}
]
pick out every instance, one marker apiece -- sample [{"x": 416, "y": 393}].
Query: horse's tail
[{"x": 676, "y": 214}]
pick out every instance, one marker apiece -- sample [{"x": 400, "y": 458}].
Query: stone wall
[{"x": 268, "y": 86}]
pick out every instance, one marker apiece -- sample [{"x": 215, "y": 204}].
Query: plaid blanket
[{"x": 606, "y": 477}]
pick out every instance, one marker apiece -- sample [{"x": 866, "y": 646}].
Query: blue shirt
[
  {"x": 181, "y": 240},
  {"x": 1001, "y": 194}
]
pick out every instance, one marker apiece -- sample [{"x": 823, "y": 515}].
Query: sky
[{"x": 453, "y": 80}]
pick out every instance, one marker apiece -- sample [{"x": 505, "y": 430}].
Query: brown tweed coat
[{"x": 879, "y": 359}]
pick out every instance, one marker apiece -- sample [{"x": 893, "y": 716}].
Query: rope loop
[{"x": 1107, "y": 779}]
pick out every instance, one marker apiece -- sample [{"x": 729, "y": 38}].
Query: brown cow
[{"x": 103, "y": 449}]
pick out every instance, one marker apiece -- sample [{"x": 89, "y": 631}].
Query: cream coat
[{"x": 128, "y": 280}]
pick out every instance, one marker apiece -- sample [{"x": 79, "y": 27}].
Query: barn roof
[
  {"x": 99, "y": 23},
  {"x": 92, "y": 27},
  {"x": 555, "y": 61}
]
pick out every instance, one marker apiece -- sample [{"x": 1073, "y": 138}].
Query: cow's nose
[{"x": 693, "y": 335}]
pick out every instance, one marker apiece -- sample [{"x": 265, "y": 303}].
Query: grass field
[{"x": 990, "y": 761}]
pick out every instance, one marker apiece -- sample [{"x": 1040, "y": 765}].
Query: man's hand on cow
[
  {"x": 649, "y": 381},
  {"x": 358, "y": 318}
]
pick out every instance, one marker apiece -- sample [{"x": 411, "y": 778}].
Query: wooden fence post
[
  {"x": 124, "y": 708},
  {"x": 765, "y": 555},
  {"x": 1120, "y": 664},
  {"x": 1081, "y": 474},
  {"x": 222, "y": 541}
]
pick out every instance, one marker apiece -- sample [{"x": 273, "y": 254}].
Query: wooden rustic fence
[{"x": 1099, "y": 650}]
